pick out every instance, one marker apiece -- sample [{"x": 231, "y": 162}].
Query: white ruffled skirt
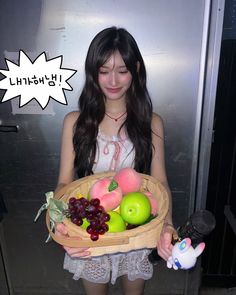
[{"x": 102, "y": 269}]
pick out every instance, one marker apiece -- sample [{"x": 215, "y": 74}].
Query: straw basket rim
[{"x": 108, "y": 239}]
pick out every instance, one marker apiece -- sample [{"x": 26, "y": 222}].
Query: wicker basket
[{"x": 144, "y": 236}]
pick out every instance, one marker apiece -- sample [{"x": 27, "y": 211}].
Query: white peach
[
  {"x": 153, "y": 202},
  {"x": 129, "y": 180},
  {"x": 109, "y": 196}
]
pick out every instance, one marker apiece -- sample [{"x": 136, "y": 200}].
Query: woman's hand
[
  {"x": 61, "y": 230},
  {"x": 164, "y": 246}
]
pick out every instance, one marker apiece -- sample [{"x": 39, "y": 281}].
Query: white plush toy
[{"x": 184, "y": 256}]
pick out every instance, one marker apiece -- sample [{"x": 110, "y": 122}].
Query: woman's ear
[{"x": 138, "y": 66}]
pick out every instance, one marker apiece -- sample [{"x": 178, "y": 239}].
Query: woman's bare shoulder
[
  {"x": 71, "y": 118},
  {"x": 156, "y": 118},
  {"x": 157, "y": 125}
]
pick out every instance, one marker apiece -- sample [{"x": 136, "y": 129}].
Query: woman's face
[{"x": 113, "y": 77}]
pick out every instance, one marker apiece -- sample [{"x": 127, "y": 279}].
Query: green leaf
[
  {"x": 42, "y": 208},
  {"x": 57, "y": 209},
  {"x": 52, "y": 228},
  {"x": 56, "y": 216},
  {"x": 49, "y": 196},
  {"x": 59, "y": 205},
  {"x": 113, "y": 185}
]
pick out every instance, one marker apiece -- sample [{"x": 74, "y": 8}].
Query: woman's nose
[{"x": 113, "y": 79}]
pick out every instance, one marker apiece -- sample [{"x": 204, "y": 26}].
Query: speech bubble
[{"x": 41, "y": 79}]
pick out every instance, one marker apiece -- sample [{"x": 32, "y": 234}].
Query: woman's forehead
[{"x": 114, "y": 60}]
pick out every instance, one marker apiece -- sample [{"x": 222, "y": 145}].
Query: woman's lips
[{"x": 113, "y": 90}]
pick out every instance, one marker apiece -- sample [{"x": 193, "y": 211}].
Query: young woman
[{"x": 114, "y": 128}]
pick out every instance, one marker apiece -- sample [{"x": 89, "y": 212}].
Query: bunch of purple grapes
[{"x": 79, "y": 209}]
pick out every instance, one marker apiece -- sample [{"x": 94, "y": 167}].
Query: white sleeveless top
[{"x": 113, "y": 153}]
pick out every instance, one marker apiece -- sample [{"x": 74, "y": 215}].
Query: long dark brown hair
[{"x": 92, "y": 105}]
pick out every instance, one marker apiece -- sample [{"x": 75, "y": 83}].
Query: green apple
[
  {"x": 135, "y": 208},
  {"x": 116, "y": 222}
]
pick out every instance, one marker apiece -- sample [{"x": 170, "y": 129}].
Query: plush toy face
[{"x": 184, "y": 256}]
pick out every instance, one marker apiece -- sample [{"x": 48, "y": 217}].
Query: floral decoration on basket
[{"x": 109, "y": 212}]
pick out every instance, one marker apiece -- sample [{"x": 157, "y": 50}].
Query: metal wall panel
[
  {"x": 172, "y": 45},
  {"x": 172, "y": 37}
]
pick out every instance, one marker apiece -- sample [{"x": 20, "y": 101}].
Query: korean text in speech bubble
[{"x": 42, "y": 79}]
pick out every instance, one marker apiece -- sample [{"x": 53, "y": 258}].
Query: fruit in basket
[
  {"x": 108, "y": 192},
  {"x": 117, "y": 209},
  {"x": 90, "y": 215},
  {"x": 85, "y": 223},
  {"x": 153, "y": 202},
  {"x": 79, "y": 195},
  {"x": 128, "y": 180},
  {"x": 135, "y": 208},
  {"x": 116, "y": 222},
  {"x": 131, "y": 226}
]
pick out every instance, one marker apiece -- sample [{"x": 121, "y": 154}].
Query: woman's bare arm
[
  {"x": 66, "y": 171},
  {"x": 158, "y": 171},
  {"x": 66, "y": 175}
]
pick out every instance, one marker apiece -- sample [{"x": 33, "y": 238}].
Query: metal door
[{"x": 173, "y": 38}]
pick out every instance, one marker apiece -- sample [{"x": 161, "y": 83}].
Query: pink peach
[
  {"x": 153, "y": 202},
  {"x": 109, "y": 197},
  {"x": 129, "y": 180}
]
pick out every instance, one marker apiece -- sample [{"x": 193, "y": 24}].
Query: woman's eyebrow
[{"x": 108, "y": 67}]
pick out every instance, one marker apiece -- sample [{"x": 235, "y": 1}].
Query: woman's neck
[{"x": 115, "y": 107}]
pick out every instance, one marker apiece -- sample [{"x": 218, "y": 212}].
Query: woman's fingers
[
  {"x": 164, "y": 246},
  {"x": 61, "y": 230},
  {"x": 77, "y": 252}
]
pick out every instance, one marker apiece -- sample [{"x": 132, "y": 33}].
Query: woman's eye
[
  {"x": 103, "y": 72},
  {"x": 123, "y": 72}
]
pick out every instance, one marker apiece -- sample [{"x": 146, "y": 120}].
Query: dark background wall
[{"x": 219, "y": 259}]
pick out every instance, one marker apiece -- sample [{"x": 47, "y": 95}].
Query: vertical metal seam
[
  {"x": 196, "y": 146},
  {"x": 208, "y": 111}
]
